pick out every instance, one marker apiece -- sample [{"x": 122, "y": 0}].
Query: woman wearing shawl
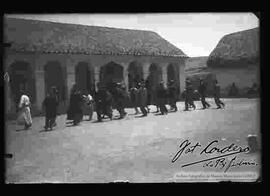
[{"x": 24, "y": 111}]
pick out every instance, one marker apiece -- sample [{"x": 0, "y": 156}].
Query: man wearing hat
[
  {"x": 161, "y": 98},
  {"x": 134, "y": 98},
  {"x": 217, "y": 95},
  {"x": 189, "y": 96},
  {"x": 202, "y": 92},
  {"x": 142, "y": 98},
  {"x": 119, "y": 97},
  {"x": 103, "y": 101},
  {"x": 172, "y": 95}
]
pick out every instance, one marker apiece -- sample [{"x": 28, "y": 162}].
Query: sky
[{"x": 196, "y": 34}]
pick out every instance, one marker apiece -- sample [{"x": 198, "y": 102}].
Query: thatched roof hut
[
  {"x": 51, "y": 37},
  {"x": 236, "y": 50}
]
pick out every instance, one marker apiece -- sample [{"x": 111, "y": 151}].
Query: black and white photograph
[{"x": 132, "y": 97}]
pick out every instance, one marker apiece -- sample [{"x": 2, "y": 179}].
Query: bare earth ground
[{"x": 133, "y": 149}]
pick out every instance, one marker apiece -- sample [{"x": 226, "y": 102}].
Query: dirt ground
[{"x": 132, "y": 149}]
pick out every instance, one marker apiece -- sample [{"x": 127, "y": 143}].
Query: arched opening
[
  {"x": 155, "y": 75},
  {"x": 22, "y": 78},
  {"x": 84, "y": 78},
  {"x": 111, "y": 73},
  {"x": 153, "y": 79},
  {"x": 135, "y": 74},
  {"x": 171, "y": 73},
  {"x": 54, "y": 76}
]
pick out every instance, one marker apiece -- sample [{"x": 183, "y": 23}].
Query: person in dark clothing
[
  {"x": 142, "y": 98},
  {"x": 147, "y": 86},
  {"x": 233, "y": 90},
  {"x": 161, "y": 98},
  {"x": 78, "y": 104},
  {"x": 70, "y": 112},
  {"x": 50, "y": 107},
  {"x": 202, "y": 92},
  {"x": 172, "y": 95},
  {"x": 75, "y": 112},
  {"x": 119, "y": 96},
  {"x": 189, "y": 96},
  {"x": 103, "y": 99},
  {"x": 153, "y": 97},
  {"x": 134, "y": 99},
  {"x": 217, "y": 95},
  {"x": 57, "y": 98}
]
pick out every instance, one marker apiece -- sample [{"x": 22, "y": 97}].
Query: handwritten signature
[
  {"x": 223, "y": 163},
  {"x": 186, "y": 147}
]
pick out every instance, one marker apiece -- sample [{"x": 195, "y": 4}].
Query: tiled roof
[{"x": 50, "y": 37}]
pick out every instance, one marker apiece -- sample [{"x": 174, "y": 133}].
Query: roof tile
[{"x": 41, "y": 36}]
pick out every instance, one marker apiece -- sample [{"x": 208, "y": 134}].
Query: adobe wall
[
  {"x": 69, "y": 61},
  {"x": 243, "y": 77}
]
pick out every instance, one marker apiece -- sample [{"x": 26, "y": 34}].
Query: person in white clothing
[
  {"x": 89, "y": 104},
  {"x": 24, "y": 111}
]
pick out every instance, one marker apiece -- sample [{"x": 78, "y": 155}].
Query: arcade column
[
  {"x": 40, "y": 88},
  {"x": 145, "y": 67},
  {"x": 125, "y": 75},
  {"x": 96, "y": 76},
  {"x": 70, "y": 79},
  {"x": 164, "y": 73},
  {"x": 182, "y": 77}
]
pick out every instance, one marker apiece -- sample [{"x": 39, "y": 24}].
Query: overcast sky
[{"x": 196, "y": 34}]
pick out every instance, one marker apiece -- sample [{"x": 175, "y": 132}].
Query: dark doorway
[
  {"x": 54, "y": 76},
  {"x": 111, "y": 72},
  {"x": 171, "y": 73},
  {"x": 155, "y": 75},
  {"x": 22, "y": 77},
  {"x": 135, "y": 74},
  {"x": 84, "y": 77}
]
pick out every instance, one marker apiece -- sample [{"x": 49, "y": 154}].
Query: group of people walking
[
  {"x": 142, "y": 96},
  {"x": 114, "y": 95},
  {"x": 189, "y": 95}
]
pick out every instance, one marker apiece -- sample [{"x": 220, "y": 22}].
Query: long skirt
[
  {"x": 89, "y": 110},
  {"x": 24, "y": 117}
]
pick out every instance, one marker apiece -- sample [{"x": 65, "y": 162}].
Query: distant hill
[
  {"x": 236, "y": 50},
  {"x": 196, "y": 69},
  {"x": 196, "y": 65},
  {"x": 196, "y": 62}
]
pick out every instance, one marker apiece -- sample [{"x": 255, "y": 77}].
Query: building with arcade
[{"x": 42, "y": 54}]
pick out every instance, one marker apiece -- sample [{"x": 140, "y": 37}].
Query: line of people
[
  {"x": 189, "y": 95},
  {"x": 162, "y": 96},
  {"x": 115, "y": 95}
]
